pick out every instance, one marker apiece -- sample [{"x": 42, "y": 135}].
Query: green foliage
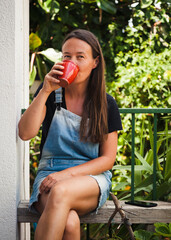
[
  {"x": 161, "y": 230},
  {"x": 104, "y": 232},
  {"x": 107, "y": 6},
  {"x": 51, "y": 54},
  {"x": 50, "y": 6},
  {"x": 42, "y": 61},
  {"x": 144, "y": 168},
  {"x": 132, "y": 36},
  {"x": 135, "y": 41},
  {"x": 142, "y": 79},
  {"x": 32, "y": 75},
  {"x": 145, "y": 235},
  {"x": 34, "y": 41}
]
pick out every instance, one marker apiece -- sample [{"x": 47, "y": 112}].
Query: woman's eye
[
  {"x": 80, "y": 56},
  {"x": 66, "y": 56}
]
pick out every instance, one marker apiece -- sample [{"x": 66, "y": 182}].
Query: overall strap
[{"x": 58, "y": 98}]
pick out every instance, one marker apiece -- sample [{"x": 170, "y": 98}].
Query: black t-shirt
[{"x": 114, "y": 120}]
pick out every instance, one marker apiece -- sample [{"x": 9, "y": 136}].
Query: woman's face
[{"x": 80, "y": 53}]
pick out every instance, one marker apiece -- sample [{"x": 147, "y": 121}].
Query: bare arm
[
  {"x": 96, "y": 166},
  {"x": 33, "y": 117},
  {"x": 104, "y": 162}
]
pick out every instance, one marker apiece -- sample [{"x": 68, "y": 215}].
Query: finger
[
  {"x": 49, "y": 186},
  {"x": 52, "y": 79},
  {"x": 43, "y": 184},
  {"x": 46, "y": 182},
  {"x": 55, "y": 72},
  {"x": 58, "y": 66},
  {"x": 41, "y": 188},
  {"x": 59, "y": 63}
]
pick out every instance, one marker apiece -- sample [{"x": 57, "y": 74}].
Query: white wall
[{"x": 14, "y": 68}]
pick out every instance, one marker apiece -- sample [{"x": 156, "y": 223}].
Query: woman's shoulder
[
  {"x": 111, "y": 102},
  {"x": 114, "y": 120}
]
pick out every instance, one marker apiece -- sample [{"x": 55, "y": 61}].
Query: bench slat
[{"x": 161, "y": 213}]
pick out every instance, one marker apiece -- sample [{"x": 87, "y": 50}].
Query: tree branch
[{"x": 124, "y": 219}]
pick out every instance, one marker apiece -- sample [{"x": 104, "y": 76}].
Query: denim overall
[{"x": 63, "y": 149}]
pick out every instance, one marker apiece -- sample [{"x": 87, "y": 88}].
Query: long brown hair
[{"x": 95, "y": 104}]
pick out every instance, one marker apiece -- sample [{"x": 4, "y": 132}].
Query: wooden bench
[{"x": 160, "y": 213}]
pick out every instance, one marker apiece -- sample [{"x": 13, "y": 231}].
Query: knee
[
  {"x": 73, "y": 223},
  {"x": 58, "y": 194}
]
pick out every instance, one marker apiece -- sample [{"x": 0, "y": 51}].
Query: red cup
[{"x": 69, "y": 73}]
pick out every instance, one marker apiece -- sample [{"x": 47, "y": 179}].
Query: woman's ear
[{"x": 96, "y": 61}]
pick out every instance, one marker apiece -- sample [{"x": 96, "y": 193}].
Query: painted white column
[{"x": 14, "y": 95}]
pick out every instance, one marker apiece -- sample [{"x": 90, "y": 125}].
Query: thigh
[
  {"x": 40, "y": 205},
  {"x": 81, "y": 193}
]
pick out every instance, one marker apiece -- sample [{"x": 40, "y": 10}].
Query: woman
[{"x": 79, "y": 142}]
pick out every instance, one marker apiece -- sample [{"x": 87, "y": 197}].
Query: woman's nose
[{"x": 74, "y": 59}]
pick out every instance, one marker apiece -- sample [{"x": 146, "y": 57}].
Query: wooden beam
[{"x": 161, "y": 213}]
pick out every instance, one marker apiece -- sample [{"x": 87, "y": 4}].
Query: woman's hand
[
  {"x": 51, "y": 82},
  {"x": 51, "y": 179}
]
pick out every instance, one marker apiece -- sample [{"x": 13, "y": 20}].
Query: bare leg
[
  {"x": 78, "y": 193},
  {"x": 72, "y": 228}
]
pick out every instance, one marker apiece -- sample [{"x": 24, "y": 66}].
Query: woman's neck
[
  {"x": 74, "y": 98},
  {"x": 76, "y": 91}
]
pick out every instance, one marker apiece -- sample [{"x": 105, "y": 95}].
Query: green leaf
[
  {"x": 170, "y": 227},
  {"x": 162, "y": 190},
  {"x": 49, "y": 6},
  {"x": 146, "y": 3},
  {"x": 89, "y": 1},
  {"x": 146, "y": 182},
  {"x": 167, "y": 173},
  {"x": 149, "y": 157},
  {"x": 143, "y": 235},
  {"x": 32, "y": 75},
  {"x": 42, "y": 71},
  {"x": 169, "y": 100},
  {"x": 45, "y": 5},
  {"x": 119, "y": 186},
  {"x": 44, "y": 33},
  {"x": 55, "y": 7},
  {"x": 167, "y": 75},
  {"x": 151, "y": 135},
  {"x": 144, "y": 163},
  {"x": 142, "y": 139},
  {"x": 128, "y": 167},
  {"x": 52, "y": 54},
  {"x": 138, "y": 177},
  {"x": 163, "y": 229},
  {"x": 34, "y": 41},
  {"x": 106, "y": 6}
]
